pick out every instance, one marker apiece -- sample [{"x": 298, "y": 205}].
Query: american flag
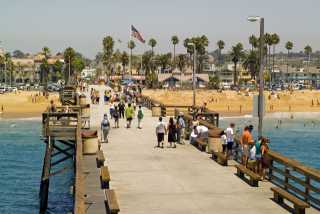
[{"x": 135, "y": 33}]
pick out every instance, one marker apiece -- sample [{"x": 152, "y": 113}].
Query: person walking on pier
[
  {"x": 180, "y": 128},
  {"x": 116, "y": 117},
  {"x": 129, "y": 112},
  {"x": 140, "y": 117},
  {"x": 160, "y": 132},
  {"x": 105, "y": 128},
  {"x": 230, "y": 139},
  {"x": 172, "y": 133},
  {"x": 245, "y": 140},
  {"x": 121, "y": 107}
]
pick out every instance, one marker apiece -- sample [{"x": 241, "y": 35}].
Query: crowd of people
[
  {"x": 121, "y": 106},
  {"x": 252, "y": 153}
]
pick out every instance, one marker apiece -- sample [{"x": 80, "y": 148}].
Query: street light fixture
[
  {"x": 261, "y": 79},
  {"x": 194, "y": 73}
]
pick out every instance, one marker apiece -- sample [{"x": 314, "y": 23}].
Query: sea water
[
  {"x": 21, "y": 159},
  {"x": 298, "y": 139}
]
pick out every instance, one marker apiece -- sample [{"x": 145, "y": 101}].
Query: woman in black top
[{"x": 172, "y": 133}]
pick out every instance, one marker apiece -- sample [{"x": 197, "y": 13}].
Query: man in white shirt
[
  {"x": 160, "y": 131},
  {"x": 230, "y": 138}
]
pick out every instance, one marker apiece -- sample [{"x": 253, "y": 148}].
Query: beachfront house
[
  {"x": 176, "y": 80},
  {"x": 307, "y": 75}
]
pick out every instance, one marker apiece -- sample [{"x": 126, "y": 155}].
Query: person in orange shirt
[{"x": 245, "y": 141}]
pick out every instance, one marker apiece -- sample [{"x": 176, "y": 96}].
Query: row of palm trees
[{"x": 249, "y": 59}]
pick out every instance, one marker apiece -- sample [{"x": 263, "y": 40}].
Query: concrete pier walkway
[{"x": 171, "y": 181}]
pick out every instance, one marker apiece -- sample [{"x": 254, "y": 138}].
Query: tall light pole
[
  {"x": 261, "y": 79},
  {"x": 194, "y": 73}
]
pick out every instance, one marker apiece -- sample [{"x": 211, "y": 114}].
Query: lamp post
[
  {"x": 194, "y": 73},
  {"x": 261, "y": 79}
]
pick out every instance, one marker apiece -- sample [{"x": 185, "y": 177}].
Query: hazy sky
[{"x": 31, "y": 24}]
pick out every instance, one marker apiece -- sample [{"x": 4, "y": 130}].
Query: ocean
[
  {"x": 21, "y": 158},
  {"x": 294, "y": 138},
  {"x": 22, "y": 151}
]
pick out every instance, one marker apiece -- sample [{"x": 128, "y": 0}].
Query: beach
[
  {"x": 231, "y": 103},
  {"x": 25, "y": 104}
]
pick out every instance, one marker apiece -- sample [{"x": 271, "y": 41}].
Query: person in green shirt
[
  {"x": 140, "y": 117},
  {"x": 129, "y": 113}
]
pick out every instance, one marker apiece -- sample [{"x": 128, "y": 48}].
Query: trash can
[
  {"x": 89, "y": 142},
  {"x": 214, "y": 142},
  {"x": 83, "y": 99}
]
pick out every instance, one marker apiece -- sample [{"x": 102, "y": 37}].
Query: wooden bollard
[{"x": 240, "y": 109}]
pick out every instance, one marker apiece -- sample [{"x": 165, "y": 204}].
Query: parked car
[{"x": 2, "y": 89}]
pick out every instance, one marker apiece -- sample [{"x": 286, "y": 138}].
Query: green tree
[
  {"x": 44, "y": 69},
  {"x": 108, "y": 45},
  {"x": 175, "y": 41},
  {"x": 220, "y": 45},
  {"x": 236, "y": 54},
  {"x": 288, "y": 46},
  {"x": 308, "y": 51},
  {"x": 268, "y": 42},
  {"x": 58, "y": 70},
  {"x": 69, "y": 57},
  {"x": 253, "y": 41},
  {"x": 152, "y": 43},
  {"x": 124, "y": 61},
  {"x": 46, "y": 52},
  {"x": 164, "y": 60},
  {"x": 275, "y": 41},
  {"x": 214, "y": 82},
  {"x": 131, "y": 46},
  {"x": 201, "y": 43},
  {"x": 251, "y": 63}
]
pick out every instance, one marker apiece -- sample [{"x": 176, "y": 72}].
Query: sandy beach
[
  {"x": 21, "y": 104},
  {"x": 230, "y": 103}
]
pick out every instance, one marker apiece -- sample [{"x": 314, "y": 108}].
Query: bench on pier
[
  {"x": 202, "y": 144},
  {"x": 254, "y": 178},
  {"x": 104, "y": 177},
  {"x": 220, "y": 157},
  {"x": 100, "y": 159},
  {"x": 112, "y": 206},
  {"x": 279, "y": 194}
]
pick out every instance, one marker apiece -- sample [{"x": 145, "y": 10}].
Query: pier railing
[
  {"x": 293, "y": 176},
  {"x": 170, "y": 110}
]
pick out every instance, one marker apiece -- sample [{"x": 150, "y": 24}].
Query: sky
[{"x": 29, "y": 25}]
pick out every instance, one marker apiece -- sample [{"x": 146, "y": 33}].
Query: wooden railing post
[
  {"x": 307, "y": 180},
  {"x": 286, "y": 179}
]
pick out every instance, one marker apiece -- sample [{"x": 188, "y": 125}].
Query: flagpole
[{"x": 130, "y": 51}]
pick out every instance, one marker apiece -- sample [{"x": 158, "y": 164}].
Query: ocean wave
[{"x": 22, "y": 119}]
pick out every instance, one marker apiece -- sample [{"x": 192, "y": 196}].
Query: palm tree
[
  {"x": 251, "y": 63},
  {"x": 289, "y": 46},
  {"x": 46, "y": 52},
  {"x": 124, "y": 61},
  {"x": 175, "y": 41},
  {"x": 308, "y": 51},
  {"x": 268, "y": 41},
  {"x": 45, "y": 68},
  {"x": 275, "y": 41},
  {"x": 253, "y": 41},
  {"x": 69, "y": 56},
  {"x": 236, "y": 55},
  {"x": 152, "y": 43},
  {"x": 220, "y": 45},
  {"x": 108, "y": 45},
  {"x": 131, "y": 46}
]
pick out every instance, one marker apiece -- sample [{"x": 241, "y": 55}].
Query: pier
[{"x": 130, "y": 175}]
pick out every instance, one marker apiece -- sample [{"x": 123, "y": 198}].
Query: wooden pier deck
[
  {"x": 181, "y": 180},
  {"x": 154, "y": 180}
]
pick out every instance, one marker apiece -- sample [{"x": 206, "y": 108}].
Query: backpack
[{"x": 140, "y": 114}]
